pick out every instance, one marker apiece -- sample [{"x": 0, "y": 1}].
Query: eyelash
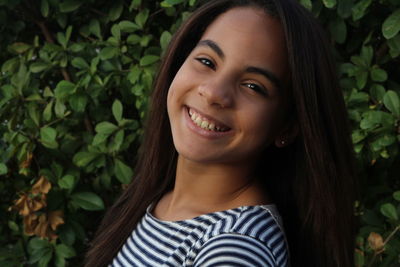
[
  {"x": 255, "y": 87},
  {"x": 206, "y": 62}
]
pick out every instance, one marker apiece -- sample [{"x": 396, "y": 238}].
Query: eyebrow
[
  {"x": 250, "y": 69},
  {"x": 268, "y": 74},
  {"x": 213, "y": 45}
]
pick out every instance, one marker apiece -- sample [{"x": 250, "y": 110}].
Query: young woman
[{"x": 247, "y": 127}]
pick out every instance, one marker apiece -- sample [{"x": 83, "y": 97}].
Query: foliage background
[{"x": 74, "y": 81}]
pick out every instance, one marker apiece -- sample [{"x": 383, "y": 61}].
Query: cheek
[{"x": 263, "y": 123}]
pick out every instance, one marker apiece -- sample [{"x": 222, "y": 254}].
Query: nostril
[{"x": 216, "y": 96}]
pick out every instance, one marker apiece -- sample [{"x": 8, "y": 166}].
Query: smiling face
[{"x": 226, "y": 102}]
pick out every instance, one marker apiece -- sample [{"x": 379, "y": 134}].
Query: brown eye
[
  {"x": 257, "y": 88},
  {"x": 206, "y": 62}
]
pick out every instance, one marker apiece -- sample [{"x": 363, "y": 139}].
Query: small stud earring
[{"x": 283, "y": 142}]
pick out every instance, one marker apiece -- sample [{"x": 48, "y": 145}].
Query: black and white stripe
[{"x": 244, "y": 236}]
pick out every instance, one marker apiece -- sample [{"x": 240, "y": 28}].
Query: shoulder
[{"x": 252, "y": 235}]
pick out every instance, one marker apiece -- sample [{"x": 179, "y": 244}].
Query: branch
[{"x": 45, "y": 31}]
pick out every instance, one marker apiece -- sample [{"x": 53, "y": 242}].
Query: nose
[{"x": 217, "y": 93}]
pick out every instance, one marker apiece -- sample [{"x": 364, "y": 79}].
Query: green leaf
[
  {"x": 33, "y": 112},
  {"x": 58, "y": 261},
  {"x": 13, "y": 226},
  {"x": 106, "y": 127},
  {"x": 373, "y": 119},
  {"x": 134, "y": 74},
  {"x": 361, "y": 79},
  {"x": 307, "y": 4},
  {"x": 367, "y": 54},
  {"x": 48, "y": 137},
  {"x": 392, "y": 102},
  {"x": 378, "y": 75},
  {"x": 359, "y": 258},
  {"x": 19, "y": 47},
  {"x": 60, "y": 109},
  {"x": 67, "y": 182},
  {"x": 65, "y": 251},
  {"x": 44, "y": 8},
  {"x": 94, "y": 27},
  {"x": 128, "y": 26},
  {"x": 116, "y": 11},
  {"x": 99, "y": 138},
  {"x": 70, "y": 5},
  {"x": 116, "y": 32},
  {"x": 81, "y": 159},
  {"x": 108, "y": 52},
  {"x": 141, "y": 18},
  {"x": 117, "y": 141},
  {"x": 173, "y": 2},
  {"x": 394, "y": 46},
  {"x": 329, "y": 3},
  {"x": 344, "y": 8},
  {"x": 78, "y": 102},
  {"x": 38, "y": 67},
  {"x": 3, "y": 169},
  {"x": 389, "y": 211},
  {"x": 358, "y": 98},
  {"x": 42, "y": 256},
  {"x": 117, "y": 110},
  {"x": 391, "y": 25},
  {"x": 144, "y": 41},
  {"x": 61, "y": 39},
  {"x": 64, "y": 89},
  {"x": 165, "y": 39},
  {"x": 79, "y": 63},
  {"x": 338, "y": 30},
  {"x": 10, "y": 65},
  {"x": 360, "y": 9},
  {"x": 88, "y": 201},
  {"x": 148, "y": 60},
  {"x": 68, "y": 33},
  {"x": 67, "y": 234},
  {"x": 133, "y": 39},
  {"x": 36, "y": 243},
  {"x": 377, "y": 92},
  {"x": 123, "y": 172},
  {"x": 77, "y": 47},
  {"x": 396, "y": 195}
]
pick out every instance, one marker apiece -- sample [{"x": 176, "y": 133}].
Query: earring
[{"x": 283, "y": 142}]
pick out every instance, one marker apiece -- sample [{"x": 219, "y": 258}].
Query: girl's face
[{"x": 226, "y": 102}]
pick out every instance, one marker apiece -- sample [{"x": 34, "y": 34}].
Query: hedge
[{"x": 74, "y": 84}]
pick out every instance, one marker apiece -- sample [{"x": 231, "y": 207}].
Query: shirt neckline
[{"x": 270, "y": 207}]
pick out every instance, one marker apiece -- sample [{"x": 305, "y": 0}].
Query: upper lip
[{"x": 210, "y": 118}]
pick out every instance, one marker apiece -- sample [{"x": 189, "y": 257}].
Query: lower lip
[{"x": 200, "y": 131}]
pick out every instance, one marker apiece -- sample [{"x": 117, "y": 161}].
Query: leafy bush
[{"x": 74, "y": 82}]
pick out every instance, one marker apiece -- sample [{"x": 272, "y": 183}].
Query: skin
[{"x": 236, "y": 75}]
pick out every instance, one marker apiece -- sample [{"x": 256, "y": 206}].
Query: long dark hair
[{"x": 311, "y": 181}]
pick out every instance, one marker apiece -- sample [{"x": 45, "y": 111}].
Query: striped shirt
[{"x": 244, "y": 236}]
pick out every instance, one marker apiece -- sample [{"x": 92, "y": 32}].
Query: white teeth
[
  {"x": 204, "y": 123},
  {"x": 198, "y": 121}
]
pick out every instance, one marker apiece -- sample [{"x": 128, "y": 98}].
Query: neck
[{"x": 204, "y": 188}]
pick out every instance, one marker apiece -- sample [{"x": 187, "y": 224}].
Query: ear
[{"x": 287, "y": 136}]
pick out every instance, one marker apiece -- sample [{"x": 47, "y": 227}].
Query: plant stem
[{"x": 384, "y": 243}]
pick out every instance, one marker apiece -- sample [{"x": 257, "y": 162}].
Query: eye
[
  {"x": 256, "y": 88},
  {"x": 206, "y": 62}
]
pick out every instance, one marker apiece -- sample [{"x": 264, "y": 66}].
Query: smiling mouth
[{"x": 206, "y": 123}]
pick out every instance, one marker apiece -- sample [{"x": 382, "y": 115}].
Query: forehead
[{"x": 250, "y": 36}]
